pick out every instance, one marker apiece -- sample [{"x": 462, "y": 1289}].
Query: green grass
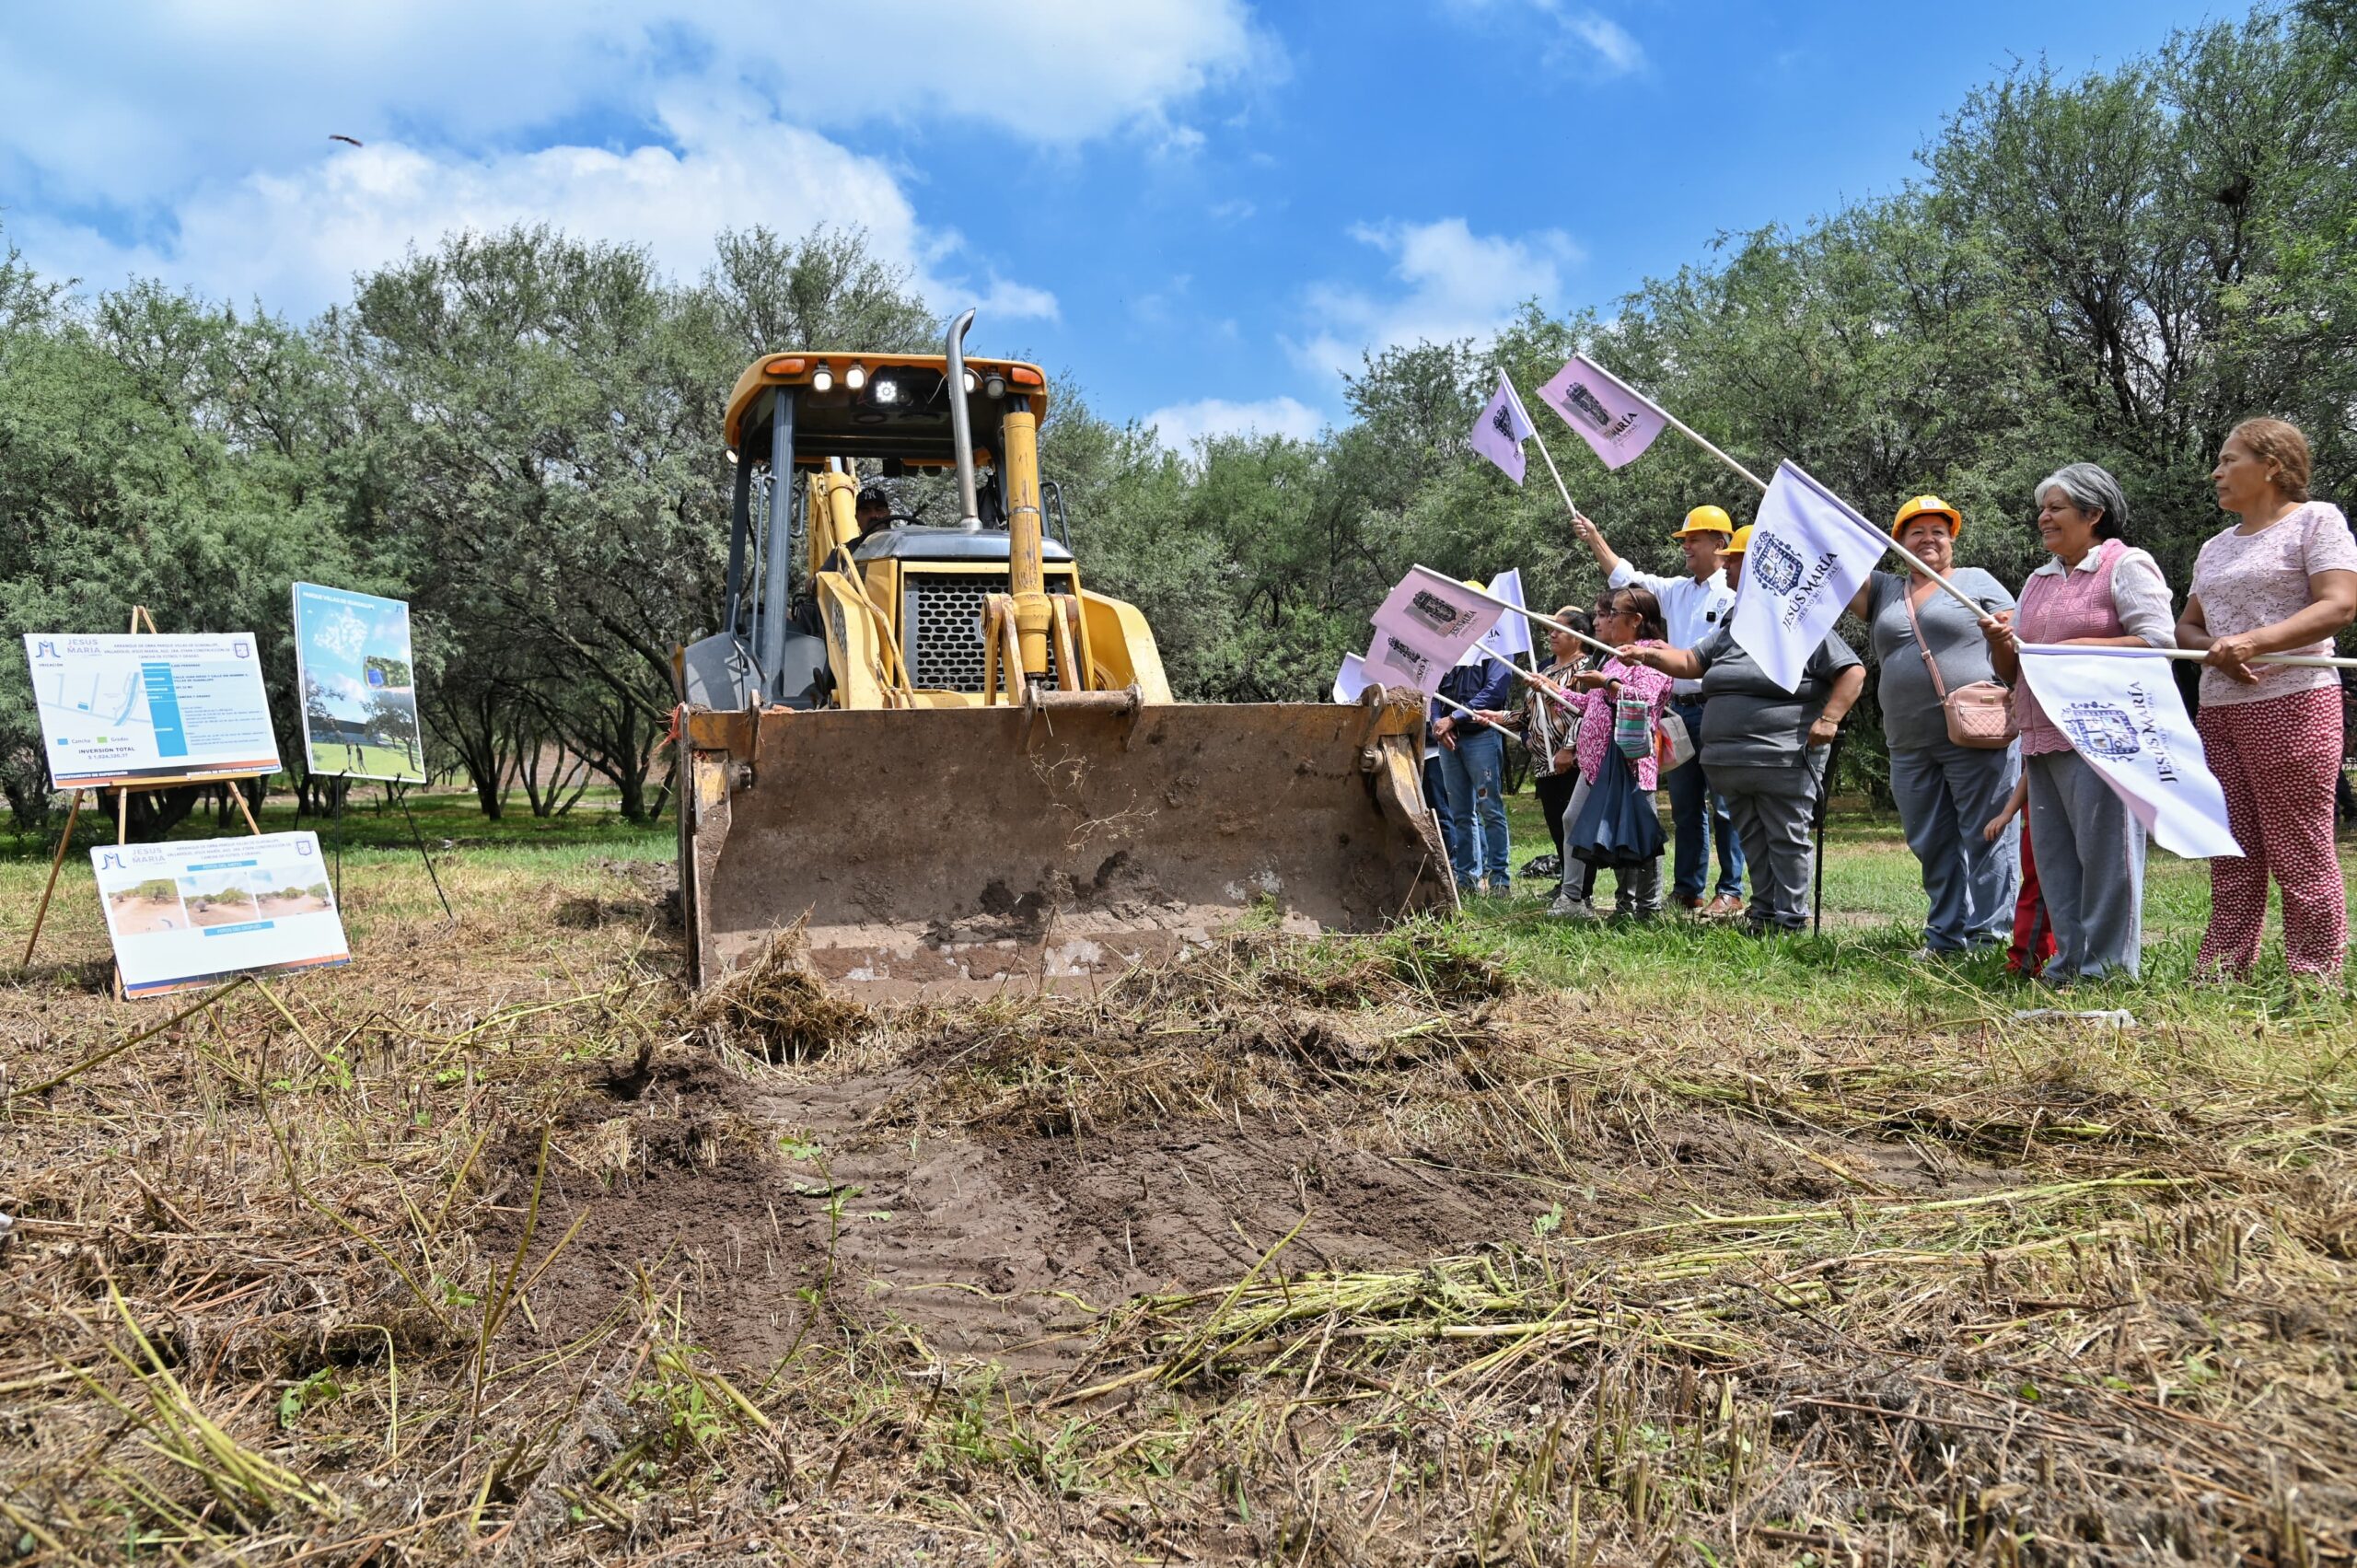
[
  {"x": 592, "y": 829},
  {"x": 373, "y": 760},
  {"x": 1874, "y": 901}
]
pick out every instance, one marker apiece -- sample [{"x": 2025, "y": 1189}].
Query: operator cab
[{"x": 914, "y": 587}]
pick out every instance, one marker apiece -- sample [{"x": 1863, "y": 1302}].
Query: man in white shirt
[{"x": 1694, "y": 606}]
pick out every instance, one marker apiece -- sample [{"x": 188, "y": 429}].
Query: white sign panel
[
  {"x": 357, "y": 675},
  {"x": 145, "y": 710},
  {"x": 191, "y": 913}
]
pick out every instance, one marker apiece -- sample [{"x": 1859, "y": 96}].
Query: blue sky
[{"x": 1200, "y": 210}]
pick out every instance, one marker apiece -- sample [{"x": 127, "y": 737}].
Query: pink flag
[
  {"x": 1610, "y": 418},
  {"x": 1499, "y": 433},
  {"x": 1424, "y": 627}
]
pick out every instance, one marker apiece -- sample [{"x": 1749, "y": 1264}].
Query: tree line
[{"x": 519, "y": 432}]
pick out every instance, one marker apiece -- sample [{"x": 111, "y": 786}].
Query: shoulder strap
[{"x": 1931, "y": 664}]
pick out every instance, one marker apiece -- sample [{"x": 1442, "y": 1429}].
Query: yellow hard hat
[
  {"x": 1706, "y": 519},
  {"x": 1927, "y": 506},
  {"x": 1739, "y": 543}
]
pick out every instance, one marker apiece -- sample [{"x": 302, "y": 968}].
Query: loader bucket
[{"x": 955, "y": 851}]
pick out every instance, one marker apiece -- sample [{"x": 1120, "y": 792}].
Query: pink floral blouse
[
  {"x": 1596, "y": 724},
  {"x": 2246, "y": 581}
]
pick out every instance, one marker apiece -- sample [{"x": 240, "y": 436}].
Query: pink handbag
[{"x": 1979, "y": 715}]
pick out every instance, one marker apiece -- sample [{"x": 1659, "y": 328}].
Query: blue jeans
[
  {"x": 1436, "y": 793},
  {"x": 1688, "y": 788},
  {"x": 1473, "y": 776},
  {"x": 1946, "y": 793}
]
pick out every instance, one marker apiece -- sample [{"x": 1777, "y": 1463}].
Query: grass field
[
  {"x": 372, "y": 762},
  {"x": 1486, "y": 1240}
]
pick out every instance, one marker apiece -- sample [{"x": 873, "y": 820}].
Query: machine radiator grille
[{"x": 941, "y": 628}]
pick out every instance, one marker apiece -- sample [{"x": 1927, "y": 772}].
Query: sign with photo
[
  {"x": 358, "y": 684},
  {"x": 187, "y": 914},
  {"x": 145, "y": 710}
]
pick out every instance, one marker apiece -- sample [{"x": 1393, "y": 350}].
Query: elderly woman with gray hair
[{"x": 2096, "y": 592}]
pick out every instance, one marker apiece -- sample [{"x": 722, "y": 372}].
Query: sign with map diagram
[
  {"x": 190, "y": 913},
  {"x": 149, "y": 709},
  {"x": 358, "y": 682}
]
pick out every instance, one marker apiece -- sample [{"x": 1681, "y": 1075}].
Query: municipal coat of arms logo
[
  {"x": 1436, "y": 612},
  {"x": 1775, "y": 565},
  {"x": 2101, "y": 729}
]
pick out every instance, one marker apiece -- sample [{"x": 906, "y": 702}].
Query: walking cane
[{"x": 1824, "y": 803}]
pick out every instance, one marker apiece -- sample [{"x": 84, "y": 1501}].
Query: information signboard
[
  {"x": 355, "y": 669},
  {"x": 149, "y": 709},
  {"x": 191, "y": 913}
]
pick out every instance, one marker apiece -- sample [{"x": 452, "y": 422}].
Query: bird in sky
[{"x": 338, "y": 137}]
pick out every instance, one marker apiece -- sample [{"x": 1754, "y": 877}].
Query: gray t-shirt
[
  {"x": 1911, "y": 719},
  {"x": 1748, "y": 719}
]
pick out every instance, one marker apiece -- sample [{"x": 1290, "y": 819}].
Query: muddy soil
[{"x": 995, "y": 1247}]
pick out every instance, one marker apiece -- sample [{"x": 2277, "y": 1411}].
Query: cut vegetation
[{"x": 1477, "y": 1242}]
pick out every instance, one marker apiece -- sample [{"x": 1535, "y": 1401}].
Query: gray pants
[
  {"x": 1774, "y": 808},
  {"x": 1946, "y": 793},
  {"x": 2090, "y": 869},
  {"x": 1636, "y": 888}
]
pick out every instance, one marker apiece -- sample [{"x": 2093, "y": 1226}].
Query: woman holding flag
[
  {"x": 2096, "y": 592},
  {"x": 1764, "y": 746},
  {"x": 1549, "y": 732},
  {"x": 2283, "y": 579},
  {"x": 1928, "y": 646}
]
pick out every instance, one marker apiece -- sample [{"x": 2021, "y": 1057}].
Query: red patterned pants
[{"x": 2277, "y": 761}]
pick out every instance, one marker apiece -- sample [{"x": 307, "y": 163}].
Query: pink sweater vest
[{"x": 2055, "y": 609}]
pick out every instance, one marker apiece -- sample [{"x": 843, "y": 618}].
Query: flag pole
[
  {"x": 1539, "y": 684},
  {"x": 1556, "y": 473},
  {"x": 1477, "y": 719},
  {"x": 1912, "y": 560},
  {"x": 2310, "y": 661},
  {"x": 1686, "y": 430},
  {"x": 1547, "y": 620}
]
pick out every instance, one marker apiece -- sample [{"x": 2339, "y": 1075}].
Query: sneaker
[
  {"x": 1571, "y": 906},
  {"x": 1726, "y": 906}
]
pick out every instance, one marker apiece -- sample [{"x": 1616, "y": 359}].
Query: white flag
[
  {"x": 1499, "y": 433},
  {"x": 1351, "y": 681},
  {"x": 1616, "y": 423},
  {"x": 1809, "y": 555},
  {"x": 2120, "y": 709},
  {"x": 1511, "y": 635},
  {"x": 1432, "y": 617},
  {"x": 1395, "y": 661}
]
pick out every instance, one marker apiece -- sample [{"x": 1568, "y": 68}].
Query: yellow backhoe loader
[{"x": 958, "y": 767}]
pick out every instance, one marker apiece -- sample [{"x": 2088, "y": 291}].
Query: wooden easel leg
[
  {"x": 239, "y": 795},
  {"x": 72, "y": 810},
  {"x": 123, "y": 816}
]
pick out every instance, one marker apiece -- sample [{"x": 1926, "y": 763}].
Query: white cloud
[
  {"x": 191, "y": 141},
  {"x": 1454, "y": 283},
  {"x": 125, "y": 102},
  {"x": 1582, "y": 37},
  {"x": 1620, "y": 52},
  {"x": 295, "y": 239},
  {"x": 1021, "y": 302},
  {"x": 1180, "y": 425}
]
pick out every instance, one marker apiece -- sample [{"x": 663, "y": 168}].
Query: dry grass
[{"x": 344, "y": 1271}]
